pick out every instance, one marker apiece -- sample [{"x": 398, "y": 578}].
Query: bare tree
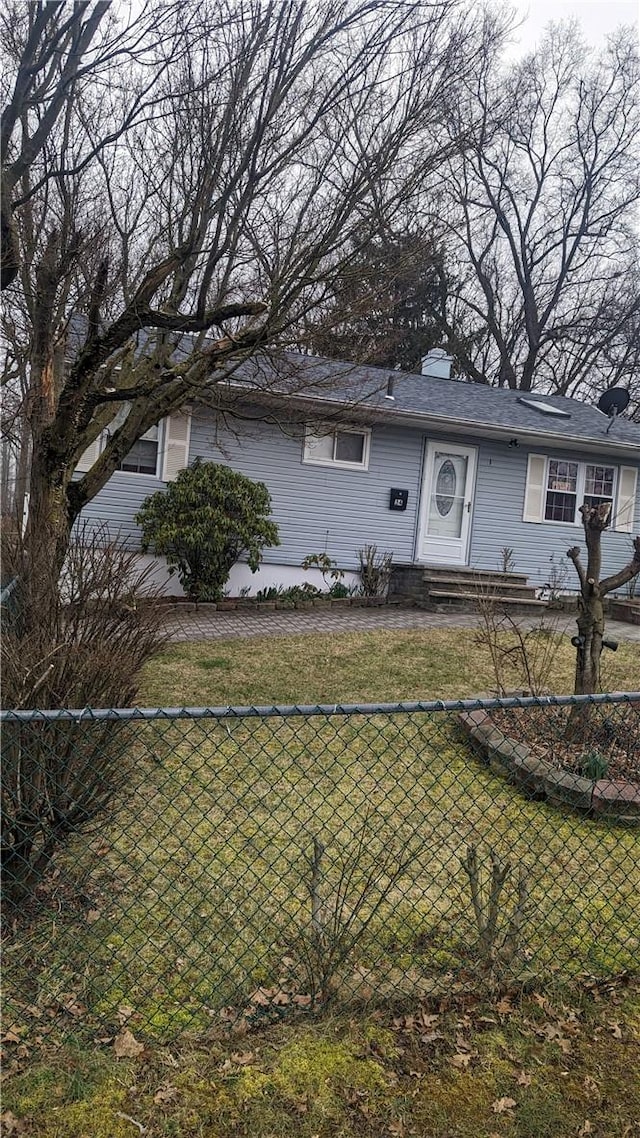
[
  {"x": 274, "y": 141},
  {"x": 542, "y": 222},
  {"x": 51, "y": 48},
  {"x": 593, "y": 590}
]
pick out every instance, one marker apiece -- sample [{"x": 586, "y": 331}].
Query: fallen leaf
[
  {"x": 12, "y": 1125},
  {"x": 69, "y": 1002},
  {"x": 397, "y": 1129},
  {"x": 460, "y": 1061},
  {"x": 281, "y": 999},
  {"x": 505, "y": 1007},
  {"x": 590, "y": 1086},
  {"x": 302, "y": 1001},
  {"x": 126, "y": 1046},
  {"x": 570, "y": 1027},
  {"x": 124, "y": 1013},
  {"x": 261, "y": 997},
  {"x": 523, "y": 1079},
  {"x": 242, "y": 1058},
  {"x": 550, "y": 1031},
  {"x": 585, "y": 1129},
  {"x": 553, "y": 1034},
  {"x": 431, "y": 1037},
  {"x": 615, "y": 1030},
  {"x": 93, "y": 915},
  {"x": 165, "y": 1094},
  {"x": 503, "y": 1104}
]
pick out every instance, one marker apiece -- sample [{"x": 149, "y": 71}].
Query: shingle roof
[{"x": 448, "y": 401}]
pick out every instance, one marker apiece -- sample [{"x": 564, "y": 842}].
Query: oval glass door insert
[{"x": 445, "y": 487}]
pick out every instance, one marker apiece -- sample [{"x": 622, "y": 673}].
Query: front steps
[{"x": 441, "y": 589}]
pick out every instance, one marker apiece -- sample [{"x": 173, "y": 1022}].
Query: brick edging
[{"x": 613, "y": 798}]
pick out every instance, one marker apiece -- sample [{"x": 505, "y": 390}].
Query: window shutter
[
  {"x": 89, "y": 456},
  {"x": 627, "y": 483},
  {"x": 177, "y": 436},
  {"x": 535, "y": 488}
]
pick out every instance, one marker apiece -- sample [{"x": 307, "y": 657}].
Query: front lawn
[
  {"x": 197, "y": 896},
  {"x": 348, "y": 667}
]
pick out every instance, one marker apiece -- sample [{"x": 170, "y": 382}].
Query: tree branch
[
  {"x": 616, "y": 580},
  {"x": 574, "y": 555}
]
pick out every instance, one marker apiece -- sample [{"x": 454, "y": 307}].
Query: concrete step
[
  {"x": 481, "y": 588},
  {"x": 441, "y": 595},
  {"x": 465, "y": 572}
]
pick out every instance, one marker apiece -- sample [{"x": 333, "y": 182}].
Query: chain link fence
[{"x": 192, "y": 868}]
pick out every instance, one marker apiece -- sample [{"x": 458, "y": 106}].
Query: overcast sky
[{"x": 597, "y": 17}]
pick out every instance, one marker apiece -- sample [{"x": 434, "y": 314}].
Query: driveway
[{"x": 206, "y": 624}]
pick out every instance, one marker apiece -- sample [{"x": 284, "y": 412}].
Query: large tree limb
[
  {"x": 574, "y": 555},
  {"x": 616, "y": 580}
]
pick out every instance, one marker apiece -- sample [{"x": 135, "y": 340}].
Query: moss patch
[{"x": 538, "y": 1067}]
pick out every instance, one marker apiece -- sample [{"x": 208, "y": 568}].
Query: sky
[{"x": 597, "y": 17}]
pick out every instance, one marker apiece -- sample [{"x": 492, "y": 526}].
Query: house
[{"x": 438, "y": 472}]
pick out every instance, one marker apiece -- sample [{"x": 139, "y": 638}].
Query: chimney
[{"x": 437, "y": 364}]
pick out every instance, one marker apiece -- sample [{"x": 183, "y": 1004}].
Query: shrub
[
  {"x": 375, "y": 571},
  {"x": 85, "y": 649},
  {"x": 204, "y": 522}
]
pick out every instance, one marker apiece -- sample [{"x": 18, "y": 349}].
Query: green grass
[
  {"x": 198, "y": 886},
  {"x": 197, "y": 891},
  {"x": 364, "y": 1077},
  {"x": 366, "y": 666}
]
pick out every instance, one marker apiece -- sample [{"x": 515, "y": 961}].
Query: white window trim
[
  {"x": 159, "y": 453},
  {"x": 580, "y": 492},
  {"x": 159, "y": 456},
  {"x": 311, "y": 433}
]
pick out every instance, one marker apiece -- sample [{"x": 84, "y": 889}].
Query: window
[
  {"x": 143, "y": 456},
  {"x": 598, "y": 485},
  {"x": 344, "y": 447},
  {"x": 569, "y": 484},
  {"x": 562, "y": 487}
]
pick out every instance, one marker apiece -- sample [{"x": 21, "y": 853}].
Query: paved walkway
[{"x": 205, "y": 624}]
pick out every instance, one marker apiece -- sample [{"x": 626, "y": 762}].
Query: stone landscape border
[
  {"x": 232, "y": 604},
  {"x": 616, "y": 799}
]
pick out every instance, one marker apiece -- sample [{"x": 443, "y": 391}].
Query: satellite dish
[{"x": 614, "y": 401}]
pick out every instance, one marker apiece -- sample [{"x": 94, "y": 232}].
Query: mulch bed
[{"x": 613, "y": 732}]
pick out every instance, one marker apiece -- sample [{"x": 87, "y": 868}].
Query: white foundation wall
[{"x": 242, "y": 578}]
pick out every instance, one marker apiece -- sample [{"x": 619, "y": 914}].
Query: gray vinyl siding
[
  {"x": 322, "y": 508},
  {"x": 497, "y": 519},
  {"x": 116, "y": 505},
  {"x": 338, "y": 511}
]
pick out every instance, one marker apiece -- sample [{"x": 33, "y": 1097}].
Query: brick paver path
[{"x": 204, "y": 624}]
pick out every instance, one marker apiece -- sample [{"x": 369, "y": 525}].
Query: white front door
[{"x": 445, "y": 511}]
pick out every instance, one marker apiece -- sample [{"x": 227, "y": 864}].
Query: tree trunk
[
  {"x": 590, "y": 634},
  {"x": 595, "y": 520},
  {"x": 46, "y": 538}
]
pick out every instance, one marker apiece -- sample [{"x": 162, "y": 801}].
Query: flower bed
[{"x": 600, "y": 774}]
